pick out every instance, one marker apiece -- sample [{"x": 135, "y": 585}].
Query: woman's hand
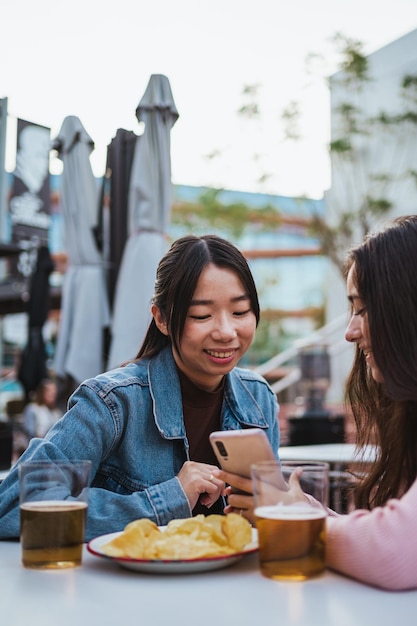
[
  {"x": 294, "y": 493},
  {"x": 200, "y": 483},
  {"x": 244, "y": 503},
  {"x": 239, "y": 494}
]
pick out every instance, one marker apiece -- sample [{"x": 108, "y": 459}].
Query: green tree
[
  {"x": 230, "y": 219},
  {"x": 365, "y": 194},
  {"x": 366, "y": 191}
]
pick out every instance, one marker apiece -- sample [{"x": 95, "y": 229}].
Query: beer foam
[
  {"x": 53, "y": 504},
  {"x": 295, "y": 511}
]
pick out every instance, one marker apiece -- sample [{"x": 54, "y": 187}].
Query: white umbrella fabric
[
  {"x": 149, "y": 207},
  {"x": 84, "y": 309}
]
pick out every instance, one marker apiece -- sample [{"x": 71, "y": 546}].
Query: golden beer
[
  {"x": 291, "y": 541},
  {"x": 52, "y": 533}
]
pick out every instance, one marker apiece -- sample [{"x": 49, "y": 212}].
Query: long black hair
[{"x": 176, "y": 281}]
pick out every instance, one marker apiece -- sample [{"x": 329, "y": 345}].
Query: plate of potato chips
[{"x": 194, "y": 544}]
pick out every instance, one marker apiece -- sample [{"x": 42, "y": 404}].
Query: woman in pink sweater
[{"x": 377, "y": 543}]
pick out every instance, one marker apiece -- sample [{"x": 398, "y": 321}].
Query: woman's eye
[
  {"x": 360, "y": 312},
  {"x": 245, "y": 312},
  {"x": 199, "y": 317}
]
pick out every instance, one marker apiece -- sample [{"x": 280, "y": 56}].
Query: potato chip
[
  {"x": 132, "y": 541},
  {"x": 184, "y": 547},
  {"x": 189, "y": 538},
  {"x": 216, "y": 525},
  {"x": 237, "y": 530}
]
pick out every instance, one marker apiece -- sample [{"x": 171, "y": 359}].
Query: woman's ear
[{"x": 159, "y": 321}]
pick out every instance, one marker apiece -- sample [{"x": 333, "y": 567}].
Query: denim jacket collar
[{"x": 240, "y": 408}]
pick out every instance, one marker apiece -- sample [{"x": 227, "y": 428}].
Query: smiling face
[
  {"x": 219, "y": 328},
  {"x": 357, "y": 330}
]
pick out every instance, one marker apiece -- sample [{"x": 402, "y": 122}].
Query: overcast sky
[{"x": 93, "y": 59}]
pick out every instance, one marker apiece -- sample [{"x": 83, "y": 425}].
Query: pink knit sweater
[{"x": 378, "y": 547}]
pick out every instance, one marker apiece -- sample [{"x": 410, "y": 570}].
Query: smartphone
[{"x": 237, "y": 450}]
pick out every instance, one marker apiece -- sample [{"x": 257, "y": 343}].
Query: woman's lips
[
  {"x": 221, "y": 354},
  {"x": 222, "y": 357}
]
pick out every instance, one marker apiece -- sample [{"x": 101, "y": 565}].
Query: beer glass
[
  {"x": 291, "y": 526},
  {"x": 53, "y": 499}
]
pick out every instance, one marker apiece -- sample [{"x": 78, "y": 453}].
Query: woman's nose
[
  {"x": 353, "y": 330},
  {"x": 224, "y": 329}
]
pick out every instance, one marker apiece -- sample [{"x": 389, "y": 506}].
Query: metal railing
[{"x": 318, "y": 337}]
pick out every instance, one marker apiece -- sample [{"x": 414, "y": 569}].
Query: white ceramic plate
[{"x": 170, "y": 567}]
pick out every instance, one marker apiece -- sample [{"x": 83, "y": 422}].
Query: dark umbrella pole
[
  {"x": 33, "y": 363},
  {"x": 119, "y": 164}
]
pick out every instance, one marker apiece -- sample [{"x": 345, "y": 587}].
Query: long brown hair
[{"x": 385, "y": 275}]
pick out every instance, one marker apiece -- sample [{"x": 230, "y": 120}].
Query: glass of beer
[
  {"x": 291, "y": 525},
  {"x": 53, "y": 499}
]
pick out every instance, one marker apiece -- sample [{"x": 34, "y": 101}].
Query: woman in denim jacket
[{"x": 145, "y": 425}]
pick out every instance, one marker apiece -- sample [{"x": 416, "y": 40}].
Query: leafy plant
[
  {"x": 210, "y": 213},
  {"x": 364, "y": 194}
]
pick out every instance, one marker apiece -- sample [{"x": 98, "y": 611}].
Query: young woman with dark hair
[
  {"x": 382, "y": 387},
  {"x": 145, "y": 426},
  {"x": 377, "y": 543}
]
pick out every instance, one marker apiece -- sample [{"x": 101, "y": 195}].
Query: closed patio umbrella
[
  {"x": 85, "y": 310},
  {"x": 149, "y": 207}
]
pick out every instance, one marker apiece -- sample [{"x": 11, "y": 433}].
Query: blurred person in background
[{"x": 42, "y": 412}]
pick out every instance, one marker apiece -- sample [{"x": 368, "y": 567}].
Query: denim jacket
[{"x": 129, "y": 423}]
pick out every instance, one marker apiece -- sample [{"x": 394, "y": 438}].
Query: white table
[
  {"x": 333, "y": 453},
  {"x": 100, "y": 592}
]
